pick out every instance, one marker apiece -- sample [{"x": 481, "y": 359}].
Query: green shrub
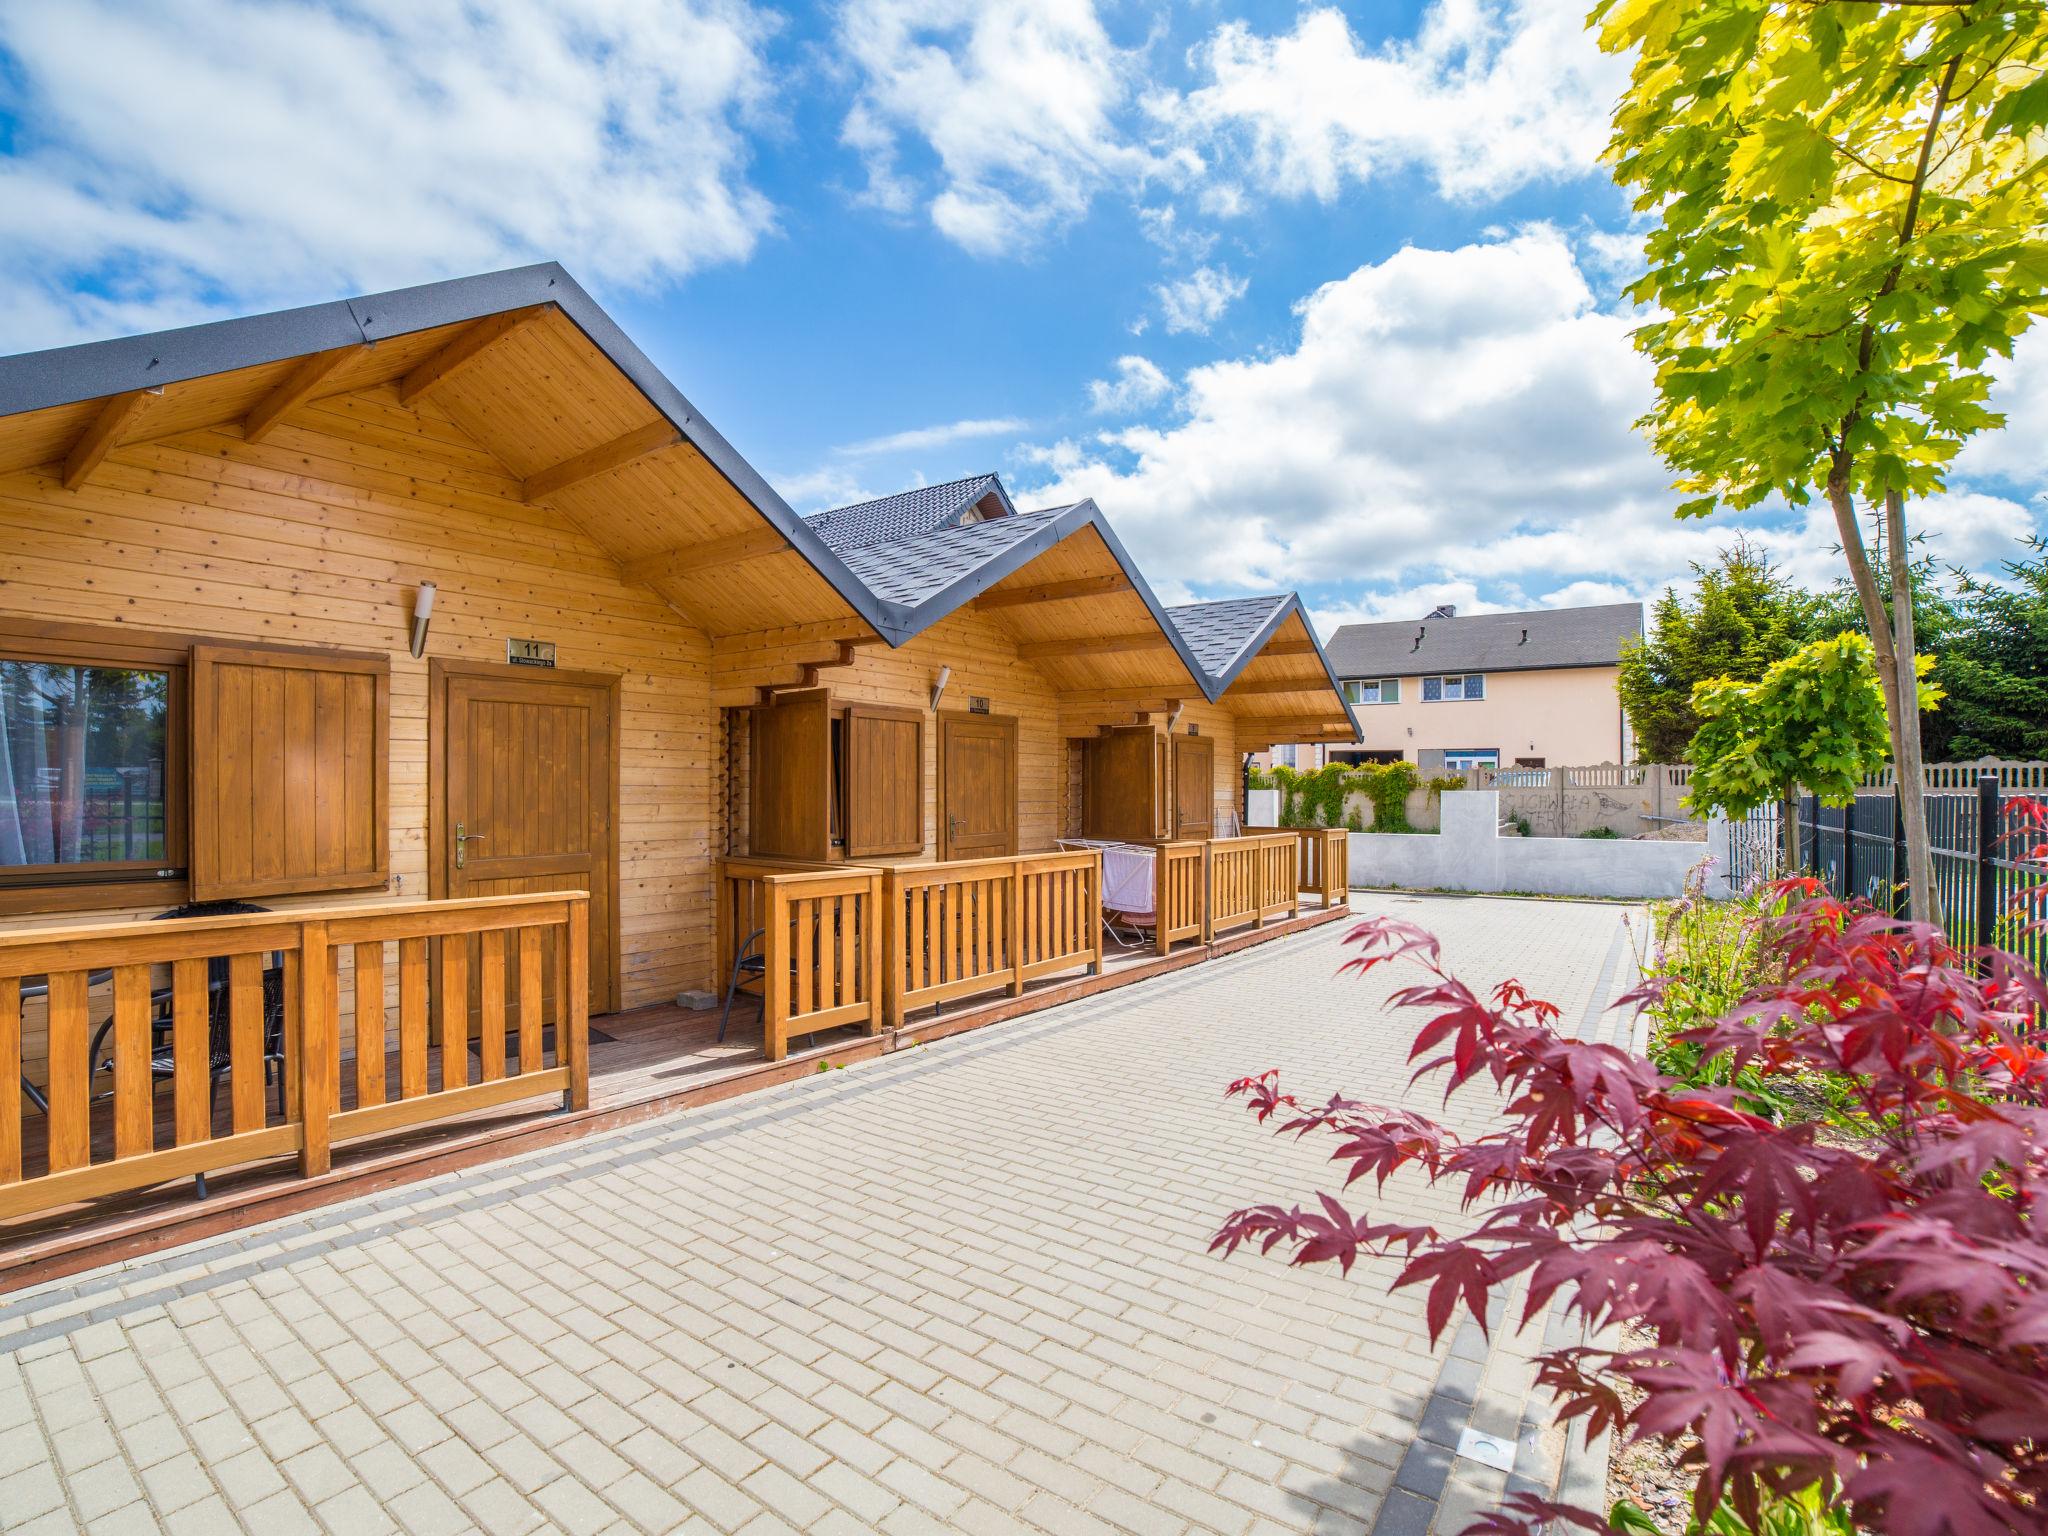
[
  {"x": 1707, "y": 957},
  {"x": 1600, "y": 832},
  {"x": 1387, "y": 786}
]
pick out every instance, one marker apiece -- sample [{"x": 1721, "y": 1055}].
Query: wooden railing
[
  {"x": 1203, "y": 889},
  {"x": 1251, "y": 879},
  {"x": 1323, "y": 866},
  {"x": 819, "y": 942},
  {"x": 974, "y": 925},
  {"x": 252, "y": 1002},
  {"x": 1180, "y": 899}
]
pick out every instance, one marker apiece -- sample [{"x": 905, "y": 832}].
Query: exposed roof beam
[
  {"x": 1046, "y": 650},
  {"x": 1151, "y": 694},
  {"x": 1317, "y": 684},
  {"x": 1255, "y": 729},
  {"x": 852, "y": 631},
  {"x": 298, "y": 386},
  {"x": 694, "y": 559},
  {"x": 601, "y": 460},
  {"x": 1054, "y": 591},
  {"x": 1149, "y": 704},
  {"x": 464, "y": 350},
  {"x": 103, "y": 433},
  {"x": 1285, "y": 648}
]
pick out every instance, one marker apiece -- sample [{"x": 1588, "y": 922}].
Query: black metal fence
[{"x": 1859, "y": 850}]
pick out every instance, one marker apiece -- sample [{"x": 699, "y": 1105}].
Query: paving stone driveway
[{"x": 960, "y": 1289}]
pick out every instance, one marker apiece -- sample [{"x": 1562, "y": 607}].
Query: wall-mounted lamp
[
  {"x": 422, "y": 613},
  {"x": 939, "y": 687}
]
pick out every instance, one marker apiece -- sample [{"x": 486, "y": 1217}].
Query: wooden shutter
[
  {"x": 1194, "y": 787},
  {"x": 1162, "y": 781},
  {"x": 291, "y": 755},
  {"x": 789, "y": 790},
  {"x": 884, "y": 780},
  {"x": 1119, "y": 799}
]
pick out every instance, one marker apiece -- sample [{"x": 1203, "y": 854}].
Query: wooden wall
[
  {"x": 319, "y": 536},
  {"x": 985, "y": 663}
]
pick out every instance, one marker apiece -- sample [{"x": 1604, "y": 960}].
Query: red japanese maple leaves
[{"x": 1867, "y": 1311}]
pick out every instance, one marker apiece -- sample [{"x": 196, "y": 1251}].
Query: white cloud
[
  {"x": 1016, "y": 100},
  {"x": 1436, "y": 404},
  {"x": 1197, "y": 301},
  {"x": 2019, "y": 453},
  {"x": 1489, "y": 95},
  {"x": 819, "y": 490},
  {"x": 935, "y": 436},
  {"x": 172, "y": 162},
  {"x": 1138, "y": 384}
]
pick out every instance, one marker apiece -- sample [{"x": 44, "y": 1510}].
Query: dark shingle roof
[
  {"x": 1218, "y": 632},
  {"x": 914, "y": 569},
  {"x": 1487, "y": 642},
  {"x": 905, "y": 515}
]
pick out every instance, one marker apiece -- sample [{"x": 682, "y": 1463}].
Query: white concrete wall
[
  {"x": 1469, "y": 854},
  {"x": 1262, "y": 808}
]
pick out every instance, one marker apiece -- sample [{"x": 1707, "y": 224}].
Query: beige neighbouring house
[{"x": 1502, "y": 690}]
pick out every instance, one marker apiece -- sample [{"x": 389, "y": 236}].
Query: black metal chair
[
  {"x": 219, "y": 1019},
  {"x": 746, "y": 965}
]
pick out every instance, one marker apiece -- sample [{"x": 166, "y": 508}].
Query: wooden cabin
[{"x": 439, "y": 630}]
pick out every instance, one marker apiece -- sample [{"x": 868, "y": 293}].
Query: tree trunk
[
  {"x": 1923, "y": 900},
  {"x": 1878, "y": 622},
  {"x": 1788, "y": 827}
]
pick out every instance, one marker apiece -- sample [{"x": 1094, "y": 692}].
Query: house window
[
  {"x": 1373, "y": 690},
  {"x": 91, "y": 770},
  {"x": 1457, "y": 759},
  {"x": 1283, "y": 755},
  {"x": 1453, "y": 685}
]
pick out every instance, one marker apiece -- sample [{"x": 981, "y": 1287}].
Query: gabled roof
[
  {"x": 909, "y": 513},
  {"x": 1488, "y": 642},
  {"x": 938, "y": 563},
  {"x": 916, "y": 567},
  {"x": 1228, "y": 634},
  {"x": 1221, "y": 633}
]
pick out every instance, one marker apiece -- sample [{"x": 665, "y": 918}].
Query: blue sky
[{"x": 1305, "y": 297}]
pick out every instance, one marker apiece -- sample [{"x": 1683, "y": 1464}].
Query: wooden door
[
  {"x": 977, "y": 786},
  {"x": 1194, "y": 787},
  {"x": 529, "y": 796}
]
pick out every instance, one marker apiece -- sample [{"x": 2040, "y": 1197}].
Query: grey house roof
[
  {"x": 924, "y": 510},
  {"x": 1487, "y": 642},
  {"x": 1227, "y": 634}
]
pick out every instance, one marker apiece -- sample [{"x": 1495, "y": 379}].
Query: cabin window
[{"x": 90, "y": 782}]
